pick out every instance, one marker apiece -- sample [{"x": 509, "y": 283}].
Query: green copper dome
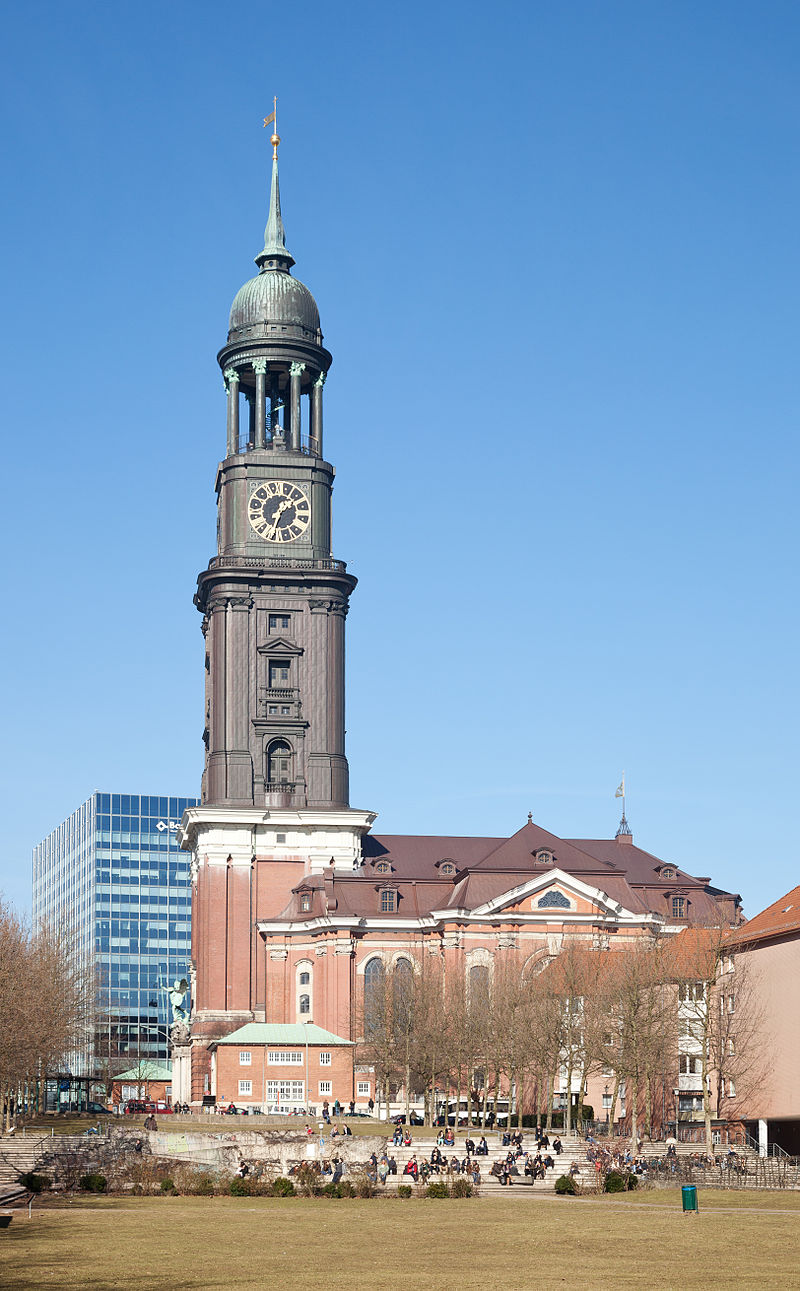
[{"x": 273, "y": 304}]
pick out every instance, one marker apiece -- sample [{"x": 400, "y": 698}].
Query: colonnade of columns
[{"x": 269, "y": 431}]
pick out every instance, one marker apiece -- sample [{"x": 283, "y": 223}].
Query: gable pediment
[
  {"x": 280, "y": 646},
  {"x": 555, "y": 894}
]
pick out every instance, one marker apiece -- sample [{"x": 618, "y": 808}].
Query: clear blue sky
[{"x": 555, "y": 250}]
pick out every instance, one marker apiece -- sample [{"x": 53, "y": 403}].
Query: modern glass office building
[{"x": 114, "y": 874}]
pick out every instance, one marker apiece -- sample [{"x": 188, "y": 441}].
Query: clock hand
[{"x": 282, "y": 506}]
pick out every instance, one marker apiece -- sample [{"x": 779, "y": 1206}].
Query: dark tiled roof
[{"x": 488, "y": 867}]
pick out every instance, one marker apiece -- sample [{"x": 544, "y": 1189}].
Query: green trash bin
[{"x": 689, "y": 1197}]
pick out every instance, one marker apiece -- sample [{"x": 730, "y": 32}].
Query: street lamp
[
  {"x": 605, "y": 1100},
  {"x": 308, "y": 1088}
]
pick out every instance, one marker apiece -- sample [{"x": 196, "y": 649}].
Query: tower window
[
  {"x": 279, "y": 763},
  {"x": 279, "y": 672},
  {"x": 305, "y": 1003},
  {"x": 272, "y": 710},
  {"x": 278, "y": 622},
  {"x": 305, "y": 978},
  {"x": 388, "y": 901}
]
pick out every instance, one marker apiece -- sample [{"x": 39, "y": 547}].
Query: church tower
[{"x": 275, "y": 790}]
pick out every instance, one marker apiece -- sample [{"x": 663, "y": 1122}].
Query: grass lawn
[{"x": 738, "y": 1240}]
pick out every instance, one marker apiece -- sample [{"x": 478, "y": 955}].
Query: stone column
[
  {"x": 232, "y": 382},
  {"x": 251, "y": 417},
  {"x": 181, "y": 1064},
  {"x": 316, "y": 413},
  {"x": 296, "y": 370},
  {"x": 260, "y": 369}
]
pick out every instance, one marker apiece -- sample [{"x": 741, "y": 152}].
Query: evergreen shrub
[
  {"x": 566, "y": 1186},
  {"x": 92, "y": 1183}
]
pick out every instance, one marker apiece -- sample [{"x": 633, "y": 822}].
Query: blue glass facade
[{"x": 114, "y": 873}]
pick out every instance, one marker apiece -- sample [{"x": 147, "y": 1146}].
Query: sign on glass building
[{"x": 114, "y": 874}]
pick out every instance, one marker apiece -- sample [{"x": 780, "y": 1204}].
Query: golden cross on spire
[{"x": 272, "y": 120}]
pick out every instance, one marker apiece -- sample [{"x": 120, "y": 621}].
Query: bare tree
[{"x": 46, "y": 1004}]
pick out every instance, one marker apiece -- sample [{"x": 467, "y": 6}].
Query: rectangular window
[
  {"x": 278, "y": 622},
  {"x": 279, "y": 673},
  {"x": 272, "y": 710},
  {"x": 362, "y": 1089},
  {"x": 388, "y": 899},
  {"x": 245, "y": 1087},
  {"x": 288, "y": 1058},
  {"x": 607, "y": 1100},
  {"x": 285, "y": 1091},
  {"x": 731, "y": 1089},
  {"x": 324, "y": 1059},
  {"x": 305, "y": 903},
  {"x": 679, "y": 907},
  {"x": 245, "y": 1058},
  {"x": 324, "y": 1087}
]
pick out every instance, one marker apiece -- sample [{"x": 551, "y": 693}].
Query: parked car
[
  {"x": 98, "y": 1109},
  {"x": 146, "y": 1107},
  {"x": 414, "y": 1119}
]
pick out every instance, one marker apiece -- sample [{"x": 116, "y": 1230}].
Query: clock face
[{"x": 279, "y": 511}]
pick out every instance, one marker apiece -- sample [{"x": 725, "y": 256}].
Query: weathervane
[
  {"x": 624, "y": 827},
  {"x": 272, "y": 120}
]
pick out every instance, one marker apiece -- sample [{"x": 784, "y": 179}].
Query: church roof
[{"x": 435, "y": 873}]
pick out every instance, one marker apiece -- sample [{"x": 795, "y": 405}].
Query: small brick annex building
[{"x": 295, "y": 902}]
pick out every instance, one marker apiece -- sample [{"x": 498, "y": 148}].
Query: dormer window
[
  {"x": 668, "y": 872},
  {"x": 305, "y": 901},
  {"x": 679, "y": 907},
  {"x": 544, "y": 857},
  {"x": 388, "y": 901},
  {"x": 383, "y": 867},
  {"x": 447, "y": 867}
]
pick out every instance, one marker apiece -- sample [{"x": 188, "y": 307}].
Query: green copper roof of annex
[
  {"x": 282, "y": 1033},
  {"x": 147, "y": 1070}
]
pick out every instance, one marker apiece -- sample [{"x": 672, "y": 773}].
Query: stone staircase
[
  {"x": 18, "y": 1156},
  {"x": 574, "y": 1149}
]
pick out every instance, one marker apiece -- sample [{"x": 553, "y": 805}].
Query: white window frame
[
  {"x": 245, "y": 1058},
  {"x": 325, "y": 1058},
  {"x": 325, "y": 1087},
  {"x": 363, "y": 1088},
  {"x": 289, "y": 1058},
  {"x": 245, "y": 1088}
]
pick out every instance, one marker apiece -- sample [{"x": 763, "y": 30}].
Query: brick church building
[{"x": 296, "y": 903}]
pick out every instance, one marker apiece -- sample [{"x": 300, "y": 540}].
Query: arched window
[
  {"x": 478, "y": 982},
  {"x": 279, "y": 763},
  {"x": 305, "y": 1003},
  {"x": 374, "y": 974},
  {"x": 403, "y": 993},
  {"x": 305, "y": 978}
]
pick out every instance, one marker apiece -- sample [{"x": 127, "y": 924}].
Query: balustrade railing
[{"x": 274, "y": 562}]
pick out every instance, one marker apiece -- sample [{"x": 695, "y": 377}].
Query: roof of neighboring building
[
  {"x": 147, "y": 1070},
  {"x": 282, "y": 1033},
  {"x": 780, "y": 918}
]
